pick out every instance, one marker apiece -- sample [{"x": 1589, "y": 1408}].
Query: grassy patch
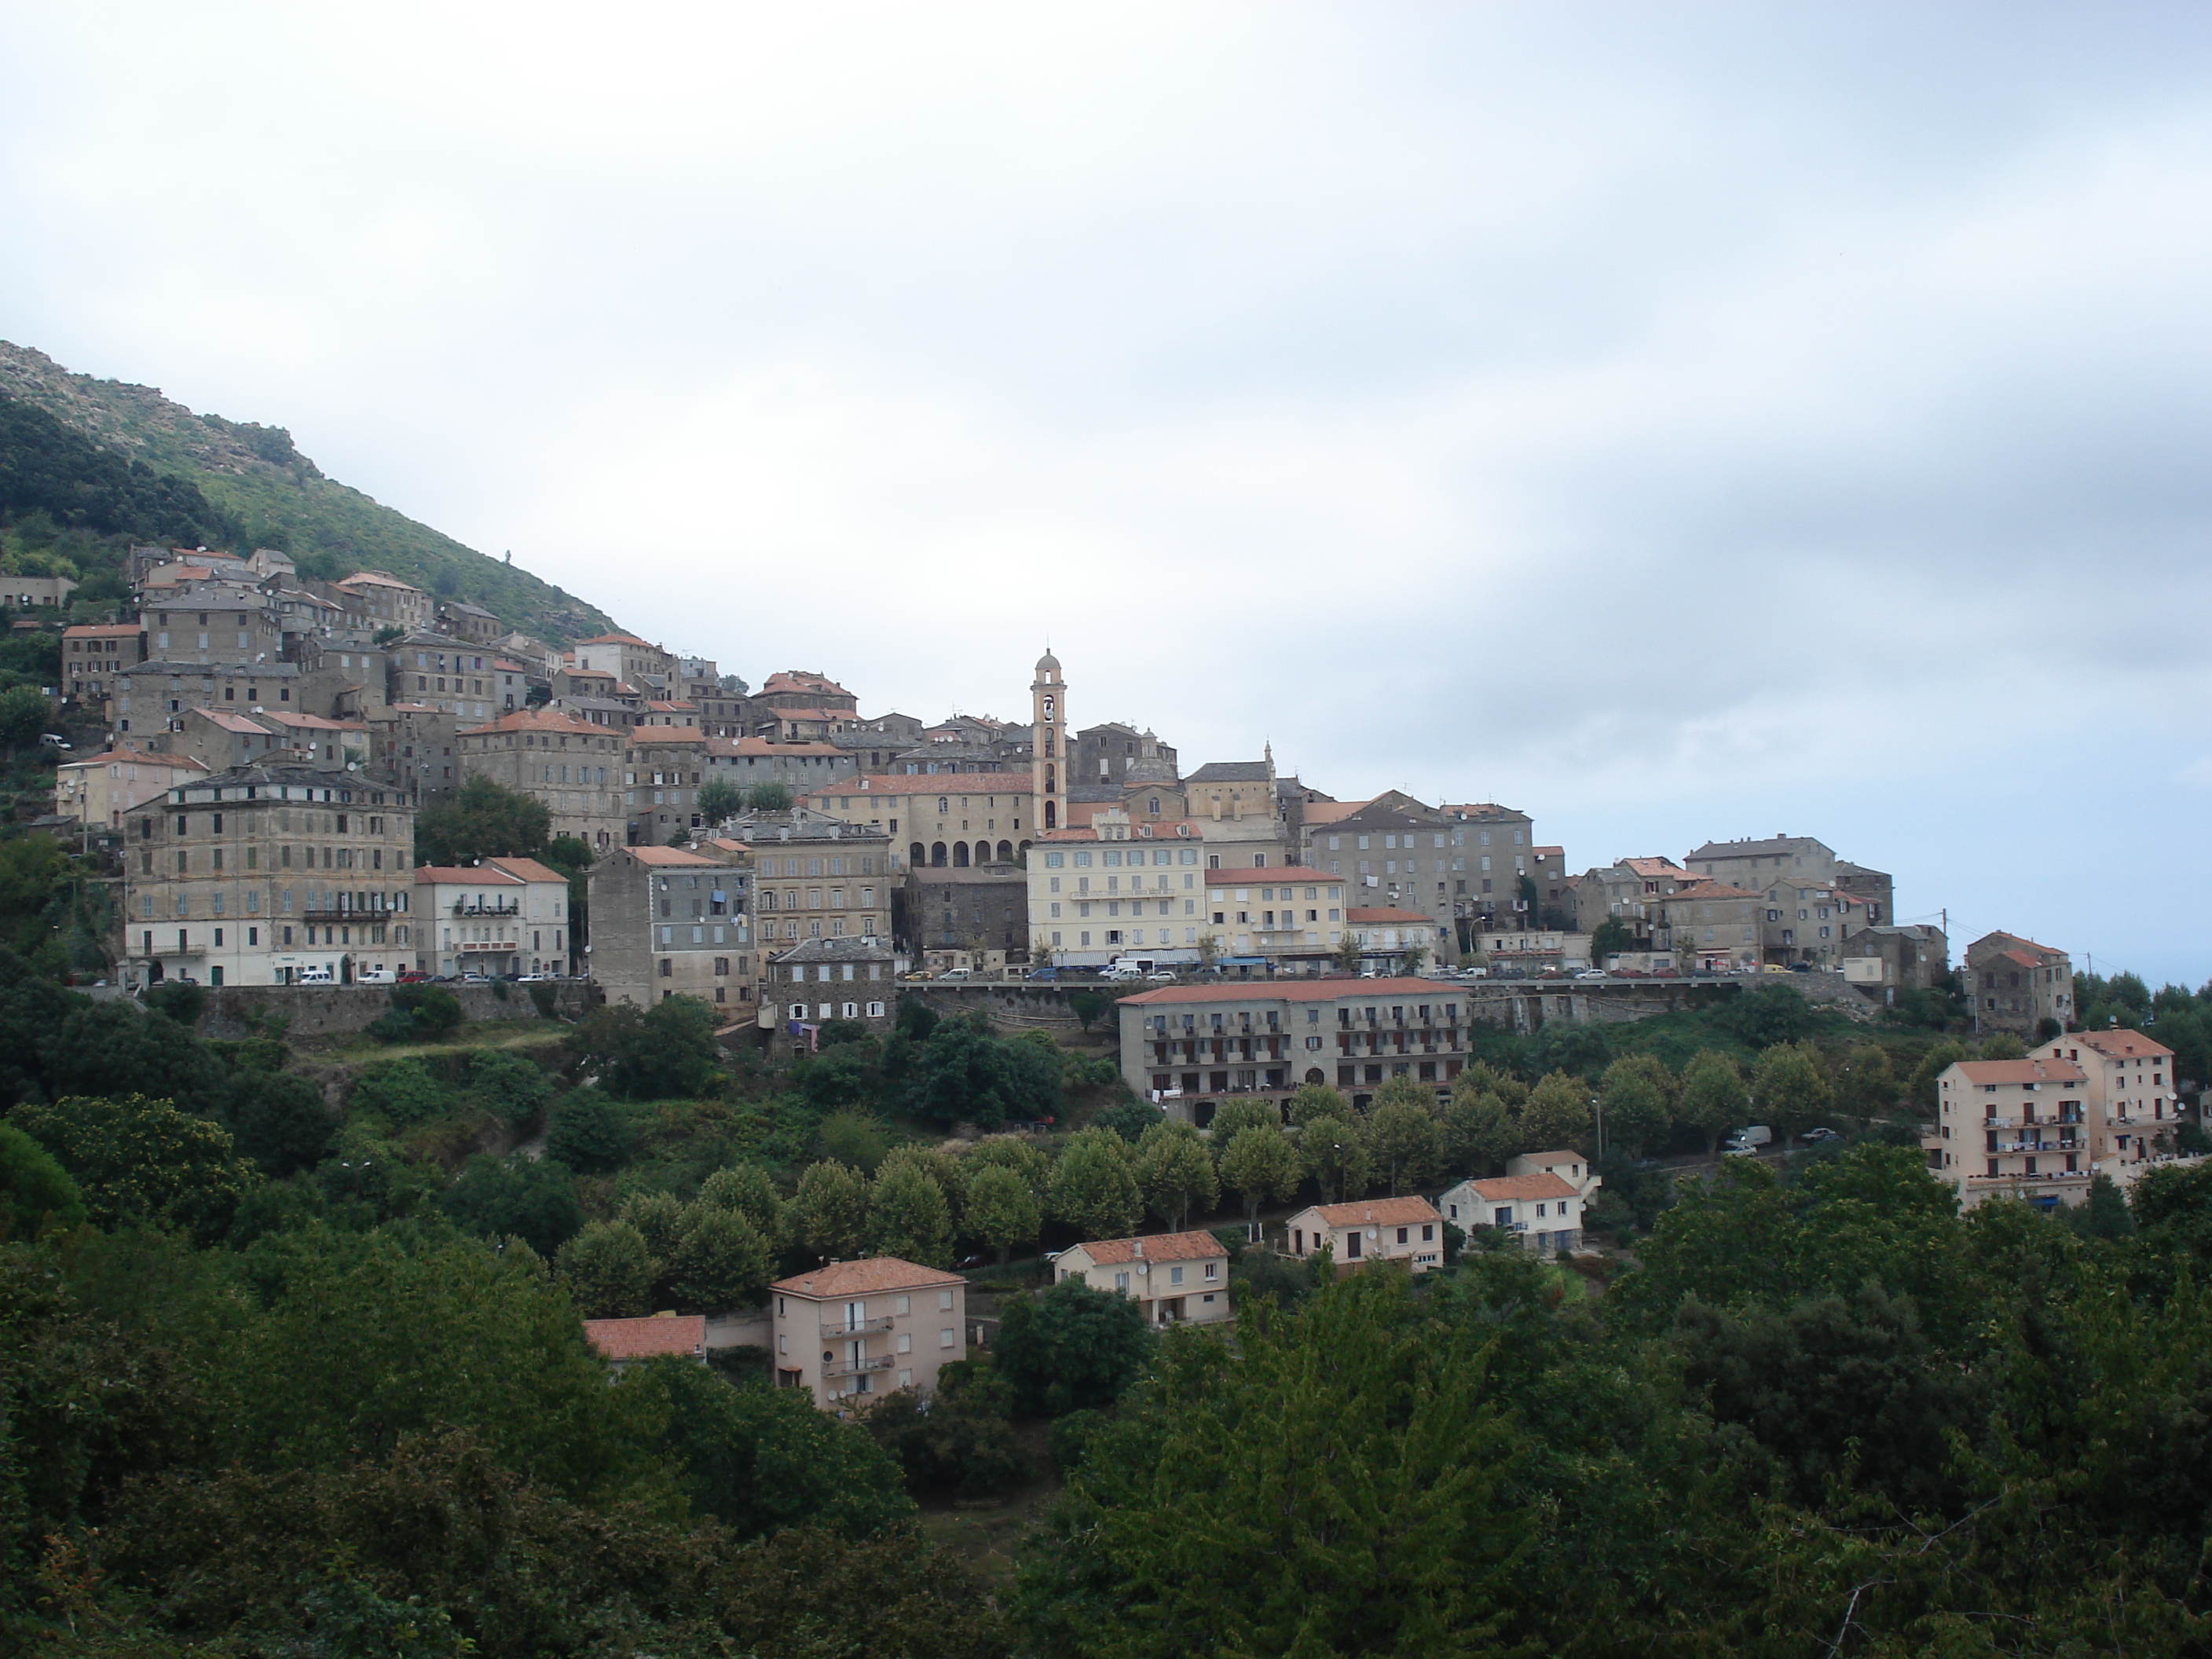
[{"x": 355, "y": 1050}]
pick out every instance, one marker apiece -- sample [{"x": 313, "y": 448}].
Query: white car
[{"x": 1591, "y": 973}]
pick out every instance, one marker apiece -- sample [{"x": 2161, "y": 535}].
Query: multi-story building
[
  {"x": 1461, "y": 867},
  {"x": 1291, "y": 919},
  {"x": 141, "y": 698},
  {"x": 663, "y": 768},
  {"x": 1629, "y": 891},
  {"x": 625, "y": 657},
  {"x": 2015, "y": 1128},
  {"x": 2129, "y": 1084},
  {"x": 201, "y": 627},
  {"x": 1113, "y": 888},
  {"x": 463, "y": 680},
  {"x": 98, "y": 790},
  {"x": 944, "y": 908},
  {"x": 1890, "y": 959},
  {"x": 1387, "y": 936},
  {"x": 217, "y": 739},
  {"x": 1532, "y": 950},
  {"x": 411, "y": 745},
  {"x": 501, "y": 916},
  {"x": 815, "y": 876},
  {"x": 954, "y": 820},
  {"x": 386, "y": 601},
  {"x": 1757, "y": 864},
  {"x": 1501, "y": 860},
  {"x": 1709, "y": 924},
  {"x": 575, "y": 769},
  {"x": 818, "y": 979},
  {"x": 469, "y": 621},
  {"x": 1178, "y": 1279},
  {"x": 93, "y": 656},
  {"x": 35, "y": 593},
  {"x": 1808, "y": 921},
  {"x": 859, "y": 1328},
  {"x": 1192, "y": 1047},
  {"x": 2013, "y": 984},
  {"x": 250, "y": 876},
  {"x": 1120, "y": 754},
  {"x": 1406, "y": 1229},
  {"x": 667, "y": 922}
]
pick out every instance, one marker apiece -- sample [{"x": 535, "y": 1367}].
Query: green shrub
[
  {"x": 588, "y": 1131},
  {"x": 181, "y": 1002},
  {"x": 512, "y": 1086},
  {"x": 401, "y": 1092}
]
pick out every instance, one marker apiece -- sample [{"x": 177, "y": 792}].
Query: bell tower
[{"x": 1051, "y": 746}]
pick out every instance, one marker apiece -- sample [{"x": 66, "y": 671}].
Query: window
[
  {"x": 944, "y": 1301},
  {"x": 944, "y": 1336}
]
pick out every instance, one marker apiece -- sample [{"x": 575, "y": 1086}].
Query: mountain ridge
[{"x": 280, "y": 498}]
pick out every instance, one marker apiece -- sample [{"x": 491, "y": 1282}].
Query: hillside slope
[{"x": 277, "y": 497}]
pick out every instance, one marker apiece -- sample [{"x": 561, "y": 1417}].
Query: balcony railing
[
  {"x": 846, "y": 1328},
  {"x": 463, "y": 908},
  {"x": 2040, "y": 1175},
  {"x": 487, "y": 945},
  {"x": 854, "y": 1367}
]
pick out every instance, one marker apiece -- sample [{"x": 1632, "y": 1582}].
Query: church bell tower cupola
[{"x": 1051, "y": 745}]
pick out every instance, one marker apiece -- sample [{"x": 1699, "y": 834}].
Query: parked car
[
  {"x": 1591, "y": 973},
  {"x": 1818, "y": 1137},
  {"x": 1049, "y": 971},
  {"x": 414, "y": 976},
  {"x": 376, "y": 977},
  {"x": 1800, "y": 967},
  {"x": 316, "y": 976},
  {"x": 1161, "y": 976},
  {"x": 1749, "y": 1140},
  {"x": 534, "y": 979},
  {"x": 957, "y": 973}
]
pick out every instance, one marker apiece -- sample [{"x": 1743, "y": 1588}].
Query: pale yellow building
[
  {"x": 98, "y": 790},
  {"x": 853, "y": 1330},
  {"x": 1176, "y": 1278}
]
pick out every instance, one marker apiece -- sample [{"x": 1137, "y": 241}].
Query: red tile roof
[
  {"x": 1527, "y": 1186},
  {"x": 456, "y": 875},
  {"x": 527, "y": 869},
  {"x": 668, "y": 855},
  {"x": 534, "y": 719},
  {"x": 616, "y": 639},
  {"x": 2053, "y": 1070},
  {"x": 864, "y": 1278},
  {"x": 102, "y": 631},
  {"x": 128, "y": 757},
  {"x": 682, "y": 1334},
  {"x": 377, "y": 578},
  {"x": 2113, "y": 1044},
  {"x": 1290, "y": 990},
  {"x": 1382, "y": 1212},
  {"x": 1157, "y": 1246},
  {"x": 796, "y": 679}
]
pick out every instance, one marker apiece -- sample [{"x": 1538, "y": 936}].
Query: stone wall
[{"x": 327, "y": 1010}]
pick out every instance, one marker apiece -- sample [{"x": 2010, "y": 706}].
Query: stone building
[
  {"x": 624, "y": 658},
  {"x": 668, "y": 922},
  {"x": 411, "y": 745},
  {"x": 463, "y": 680},
  {"x": 35, "y": 593},
  {"x": 1890, "y": 959},
  {"x": 819, "y": 980},
  {"x": 253, "y": 875},
  {"x": 1397, "y": 853},
  {"x": 575, "y": 769},
  {"x": 2013, "y": 984},
  {"x": 815, "y": 876},
  {"x": 387, "y": 602},
  {"x": 1757, "y": 864},
  {"x": 142, "y": 699},
  {"x": 944, "y": 908},
  {"x": 955, "y": 820},
  {"x": 1120, "y": 755},
  {"x": 93, "y": 656}
]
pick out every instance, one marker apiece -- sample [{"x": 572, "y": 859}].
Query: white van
[
  {"x": 376, "y": 977},
  {"x": 1749, "y": 1140},
  {"x": 314, "y": 976}
]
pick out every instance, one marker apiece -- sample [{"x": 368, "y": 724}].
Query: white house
[
  {"x": 1570, "y": 1166},
  {"x": 1407, "y": 1230},
  {"x": 501, "y": 916},
  {"x": 1543, "y": 1210},
  {"x": 1178, "y": 1277}
]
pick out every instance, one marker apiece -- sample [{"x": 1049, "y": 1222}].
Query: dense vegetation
[{"x": 108, "y": 459}]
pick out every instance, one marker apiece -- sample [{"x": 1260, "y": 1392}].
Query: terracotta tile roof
[
  {"x": 462, "y": 875},
  {"x": 2053, "y": 1070},
  {"x": 1382, "y": 916},
  {"x": 311, "y": 722},
  {"x": 376, "y": 579},
  {"x": 227, "y": 721},
  {"x": 1705, "y": 887},
  {"x": 1382, "y": 1211},
  {"x": 864, "y": 1278},
  {"x": 899, "y": 783},
  {"x": 1292, "y": 872},
  {"x": 616, "y": 639},
  {"x": 762, "y": 746},
  {"x": 668, "y": 855},
  {"x": 2113, "y": 1044},
  {"x": 1507, "y": 1187},
  {"x": 536, "y": 719},
  {"x": 1545, "y": 852},
  {"x": 2016, "y": 940},
  {"x": 1157, "y": 1246},
  {"x": 528, "y": 870},
  {"x": 1559, "y": 1155},
  {"x": 797, "y": 679},
  {"x": 684, "y": 1335},
  {"x": 1315, "y": 990},
  {"x": 2020, "y": 957},
  {"x": 1655, "y": 867},
  {"x": 1329, "y": 811},
  {"x": 102, "y": 631},
  {"x": 139, "y": 757}
]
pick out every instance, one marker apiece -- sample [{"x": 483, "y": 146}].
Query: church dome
[{"x": 1047, "y": 662}]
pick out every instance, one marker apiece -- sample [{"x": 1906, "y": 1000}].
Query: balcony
[
  {"x": 352, "y": 918},
  {"x": 2017, "y": 1176},
  {"x": 463, "y": 908},
  {"x": 854, "y": 1367},
  {"x": 488, "y": 947},
  {"x": 854, "y": 1329}
]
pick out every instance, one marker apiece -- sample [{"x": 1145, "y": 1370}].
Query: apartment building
[
  {"x": 1808, "y": 921},
  {"x": 1291, "y": 918},
  {"x": 1758, "y": 863},
  {"x": 1711, "y": 925},
  {"x": 2130, "y": 1085},
  {"x": 816, "y": 877},
  {"x": 575, "y": 769},
  {"x": 93, "y": 656},
  {"x": 213, "y": 628},
  {"x": 1177, "y": 1278},
  {"x": 2015, "y": 1128},
  {"x": 948, "y": 820},
  {"x": 1113, "y": 888},
  {"x": 668, "y": 922},
  {"x": 141, "y": 698},
  {"x": 854, "y": 1329},
  {"x": 501, "y": 916},
  {"x": 386, "y": 601},
  {"x": 2013, "y": 984},
  {"x": 462, "y": 680},
  {"x": 1402, "y": 1230},
  {"x": 98, "y": 789},
  {"x": 1628, "y": 891},
  {"x": 1460, "y": 866},
  {"x": 255, "y": 875},
  {"x": 1191, "y": 1046}
]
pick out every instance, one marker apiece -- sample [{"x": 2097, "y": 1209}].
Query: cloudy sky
[{"x": 1676, "y": 421}]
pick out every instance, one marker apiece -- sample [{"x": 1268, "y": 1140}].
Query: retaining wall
[{"x": 327, "y": 1010}]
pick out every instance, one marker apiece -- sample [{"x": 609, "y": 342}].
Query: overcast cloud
[{"x": 1676, "y": 422}]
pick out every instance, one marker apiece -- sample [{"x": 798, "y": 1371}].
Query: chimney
[{"x": 1137, "y": 1247}]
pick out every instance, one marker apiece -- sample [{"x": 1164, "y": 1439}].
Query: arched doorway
[
  {"x": 960, "y": 855},
  {"x": 1313, "y": 1075},
  {"x": 937, "y": 854},
  {"x": 1006, "y": 851},
  {"x": 916, "y": 856}
]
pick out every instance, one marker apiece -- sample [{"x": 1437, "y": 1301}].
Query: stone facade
[
  {"x": 2013, "y": 984},
  {"x": 937, "y": 909},
  {"x": 667, "y": 922},
  {"x": 575, "y": 769}
]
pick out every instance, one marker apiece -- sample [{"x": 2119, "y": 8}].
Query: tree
[
  {"x": 136, "y": 1159},
  {"x": 1336, "y": 1155},
  {"x": 719, "y": 798},
  {"x": 1315, "y": 1100},
  {"x": 747, "y": 1188},
  {"x": 1610, "y": 938},
  {"x": 609, "y": 1270},
  {"x": 1557, "y": 1114},
  {"x": 1345, "y": 957},
  {"x": 659, "y": 1218},
  {"x": 1866, "y": 1086},
  {"x": 1241, "y": 1112},
  {"x": 1002, "y": 1209},
  {"x": 401, "y": 1092},
  {"x": 667, "y": 1052},
  {"x": 1093, "y": 1187},
  {"x": 721, "y": 1261},
  {"x": 35, "y": 1191},
  {"x": 515, "y": 1089},
  {"x": 1713, "y": 1099},
  {"x": 533, "y": 1199},
  {"x": 277, "y": 1120},
  {"x": 481, "y": 820},
  {"x": 2003, "y": 1045},
  {"x": 1006, "y": 1152},
  {"x": 1072, "y": 1347},
  {"x": 829, "y": 1212},
  {"x": 1174, "y": 1173},
  {"x": 1260, "y": 1163},
  {"x": 965, "y": 1074},
  {"x": 909, "y": 1216},
  {"x": 1405, "y": 1141},
  {"x": 1478, "y": 1133},
  {"x": 1634, "y": 1093},
  {"x": 959, "y": 1442},
  {"x": 768, "y": 798},
  {"x": 1087, "y": 1004},
  {"x": 1790, "y": 1087},
  {"x": 1415, "y": 956},
  {"x": 588, "y": 1133},
  {"x": 23, "y": 713}
]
